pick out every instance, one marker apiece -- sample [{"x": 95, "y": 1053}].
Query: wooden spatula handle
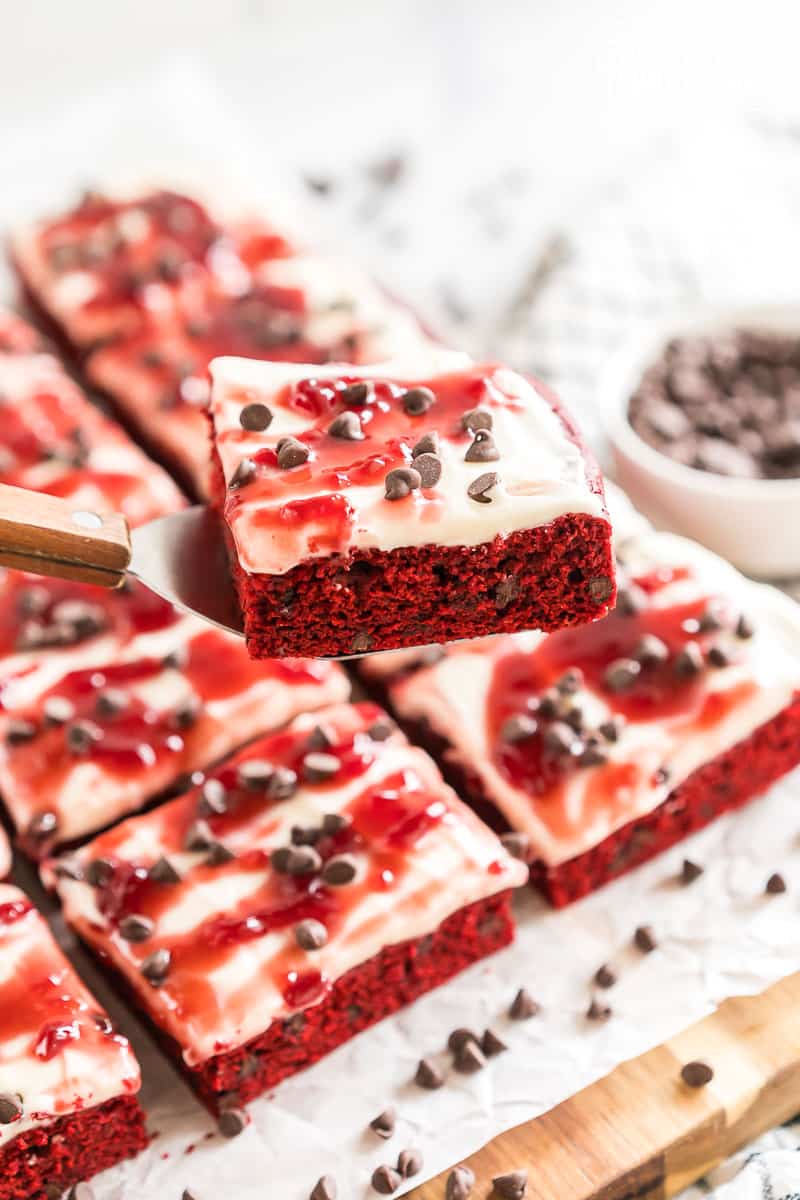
[{"x": 56, "y": 537}]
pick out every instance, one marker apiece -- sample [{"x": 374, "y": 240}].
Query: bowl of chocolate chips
[{"x": 706, "y": 434}]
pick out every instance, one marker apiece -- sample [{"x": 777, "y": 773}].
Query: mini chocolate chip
[
  {"x": 744, "y": 627},
  {"x": 459, "y": 1038},
  {"x": 162, "y": 871},
  {"x": 385, "y": 1180},
  {"x": 597, "y": 1011},
  {"x": 512, "y": 1185},
  {"x": 339, "y": 871},
  {"x": 279, "y": 859},
  {"x": 560, "y": 739},
  {"x": 523, "y": 1006},
  {"x": 492, "y": 1044},
  {"x": 357, "y": 394},
  {"x": 477, "y": 418},
  {"x": 186, "y": 714},
  {"x": 319, "y": 767},
  {"x": 479, "y": 488},
  {"x": 218, "y": 855},
  {"x": 518, "y": 728},
  {"x": 255, "y": 417},
  {"x": 612, "y": 728},
  {"x": 409, "y": 1163},
  {"x": 575, "y": 718},
  {"x": 69, "y": 868},
  {"x": 254, "y": 774},
  {"x": 42, "y": 826},
  {"x": 81, "y": 736},
  {"x": 111, "y": 702},
  {"x": 198, "y": 836},
  {"x": 18, "y": 732},
  {"x": 622, "y": 674},
  {"x": 401, "y": 482},
  {"x": 417, "y": 401},
  {"x": 517, "y": 844},
  {"x": 302, "y": 835},
  {"x": 155, "y": 967},
  {"x": 361, "y": 643},
  {"x": 99, "y": 872},
  {"x": 775, "y": 885},
  {"x": 428, "y": 1075},
  {"x": 310, "y": 934},
  {"x": 427, "y": 444},
  {"x": 136, "y": 928},
  {"x": 644, "y": 939},
  {"x": 57, "y": 710},
  {"x": 318, "y": 739},
  {"x": 604, "y": 977},
  {"x": 689, "y": 662},
  {"x": 346, "y": 427},
  {"x": 384, "y": 1123},
  {"x": 651, "y": 651},
  {"x": 380, "y": 730},
  {"x": 718, "y": 656},
  {"x": 291, "y": 453},
  {"x": 303, "y": 860},
  {"x": 335, "y": 822},
  {"x": 10, "y": 1108},
  {"x": 600, "y": 587},
  {"x": 631, "y": 600},
  {"x": 177, "y": 659},
  {"x": 506, "y": 591},
  {"x": 696, "y": 1074},
  {"x": 245, "y": 473},
  {"x": 690, "y": 871},
  {"x": 430, "y": 469},
  {"x": 483, "y": 448},
  {"x": 570, "y": 682},
  {"x": 594, "y": 754},
  {"x": 213, "y": 799},
  {"x": 231, "y": 1122},
  {"x": 460, "y": 1183},
  {"x": 324, "y": 1189}
]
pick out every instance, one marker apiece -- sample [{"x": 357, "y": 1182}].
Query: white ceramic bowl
[{"x": 755, "y": 523}]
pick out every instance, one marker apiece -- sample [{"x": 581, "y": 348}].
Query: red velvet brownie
[
  {"x": 608, "y": 743},
  {"x": 109, "y": 698},
  {"x": 318, "y": 881},
  {"x": 68, "y": 1080},
  {"x": 422, "y": 501},
  {"x": 53, "y": 440},
  {"x": 171, "y": 285}
]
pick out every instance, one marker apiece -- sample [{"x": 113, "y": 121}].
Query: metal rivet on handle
[{"x": 87, "y": 520}]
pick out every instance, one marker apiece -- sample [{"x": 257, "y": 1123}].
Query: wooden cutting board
[{"x": 643, "y": 1134}]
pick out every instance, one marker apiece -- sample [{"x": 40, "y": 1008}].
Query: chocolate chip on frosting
[
  {"x": 255, "y": 417},
  {"x": 245, "y": 473},
  {"x": 612, "y": 728},
  {"x": 324, "y": 1189},
  {"x": 357, "y": 394},
  {"x": 384, "y": 1123},
  {"x": 523, "y": 1006},
  {"x": 335, "y": 822},
  {"x": 409, "y": 1162},
  {"x": 232, "y": 1122},
  {"x": 213, "y": 800},
  {"x": 385, "y": 1180},
  {"x": 492, "y": 1044},
  {"x": 10, "y": 1107},
  {"x": 57, "y": 710},
  {"x": 689, "y": 661},
  {"x": 479, "y": 488},
  {"x": 254, "y": 774},
  {"x": 319, "y": 767},
  {"x": 483, "y": 448},
  {"x": 380, "y": 730},
  {"x": 136, "y": 928},
  {"x": 560, "y": 739},
  {"x": 99, "y": 872},
  {"x": 718, "y": 656},
  {"x": 198, "y": 836},
  {"x": 346, "y": 427},
  {"x": 631, "y": 600},
  {"x": 690, "y": 871},
  {"x": 291, "y": 453},
  {"x": 775, "y": 885},
  {"x": 517, "y": 844},
  {"x": 430, "y": 469},
  {"x": 744, "y": 627},
  {"x": 19, "y": 731},
  {"x": 622, "y": 674},
  {"x": 428, "y": 1075},
  {"x": 644, "y": 939},
  {"x": 401, "y": 481},
  {"x": 162, "y": 871},
  {"x": 427, "y": 444},
  {"x": 651, "y": 651},
  {"x": 156, "y": 966},
  {"x": 469, "y": 1058},
  {"x": 219, "y": 854},
  {"x": 417, "y": 401},
  {"x": 282, "y": 784},
  {"x": 604, "y": 976},
  {"x": 310, "y": 934},
  {"x": 339, "y": 871},
  {"x": 477, "y": 418},
  {"x": 518, "y": 728},
  {"x": 597, "y": 1011}
]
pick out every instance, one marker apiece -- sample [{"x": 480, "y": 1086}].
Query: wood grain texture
[
  {"x": 49, "y": 533},
  {"x": 643, "y": 1134}
]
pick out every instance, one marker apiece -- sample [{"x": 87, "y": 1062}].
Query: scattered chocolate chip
[
  {"x": 324, "y": 1189},
  {"x": 570, "y": 682},
  {"x": 42, "y": 826},
  {"x": 99, "y": 872},
  {"x": 651, "y": 651},
  {"x": 483, "y": 448},
  {"x": 357, "y": 394},
  {"x": 136, "y": 928},
  {"x": 254, "y": 774},
  {"x": 384, "y": 1123},
  {"x": 162, "y": 871},
  {"x": 380, "y": 730},
  {"x": 479, "y": 488},
  {"x": 511, "y": 1186},
  {"x": 111, "y": 702},
  {"x": 310, "y": 934},
  {"x": 409, "y": 1163},
  {"x": 69, "y": 868},
  {"x": 612, "y": 728},
  {"x": 475, "y": 419},
  {"x": 560, "y": 739},
  {"x": 459, "y": 1038},
  {"x": 245, "y": 473},
  {"x": 218, "y": 855},
  {"x": 429, "y": 468},
  {"x": 744, "y": 628},
  {"x": 335, "y": 822},
  {"x": 186, "y": 714},
  {"x": 604, "y": 977},
  {"x": 291, "y": 453},
  {"x": 631, "y": 600},
  {"x": 255, "y": 417},
  {"x": 661, "y": 775},
  {"x": 302, "y": 860},
  {"x": 428, "y": 1075},
  {"x": 575, "y": 718},
  {"x": 213, "y": 800},
  {"x": 594, "y": 753},
  {"x": 339, "y": 871},
  {"x": 401, "y": 482},
  {"x": 523, "y": 1006},
  {"x": 460, "y": 1183},
  {"x": 689, "y": 661},
  {"x": 518, "y": 728},
  {"x": 155, "y": 967},
  {"x": 417, "y": 401},
  {"x": 57, "y": 710},
  {"x": 597, "y": 1011},
  {"x": 775, "y": 885},
  {"x": 690, "y": 871},
  {"x": 198, "y": 836},
  {"x": 18, "y": 732},
  {"x": 302, "y": 835},
  {"x": 622, "y": 674},
  {"x": 718, "y": 656},
  {"x": 696, "y": 1074},
  {"x": 231, "y": 1122},
  {"x": 10, "y": 1108},
  {"x": 319, "y": 767},
  {"x": 346, "y": 427},
  {"x": 492, "y": 1044},
  {"x": 517, "y": 844},
  {"x": 177, "y": 659},
  {"x": 644, "y": 939},
  {"x": 386, "y": 1180},
  {"x": 282, "y": 784},
  {"x": 427, "y": 444}
]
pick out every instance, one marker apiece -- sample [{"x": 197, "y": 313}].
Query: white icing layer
[{"x": 542, "y": 472}]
